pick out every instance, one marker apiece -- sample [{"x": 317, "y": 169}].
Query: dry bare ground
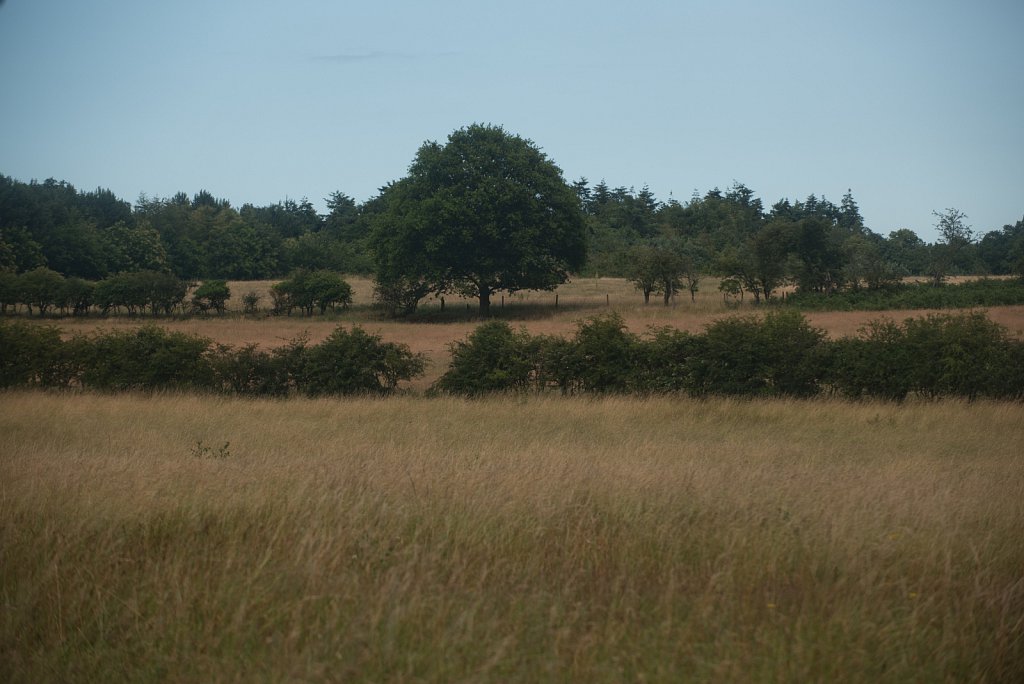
[{"x": 182, "y": 538}]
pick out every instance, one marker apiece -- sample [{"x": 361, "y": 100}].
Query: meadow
[{"x": 189, "y": 538}]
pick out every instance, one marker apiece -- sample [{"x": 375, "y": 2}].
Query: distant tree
[
  {"x": 906, "y": 251},
  {"x": 955, "y": 238},
  {"x": 41, "y": 287},
  {"x": 307, "y": 290},
  {"x": 483, "y": 213},
  {"x": 212, "y": 294}
]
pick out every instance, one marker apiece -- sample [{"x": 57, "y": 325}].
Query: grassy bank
[{"x": 203, "y": 539}]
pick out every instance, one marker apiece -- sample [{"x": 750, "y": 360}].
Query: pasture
[{"x": 185, "y": 538}]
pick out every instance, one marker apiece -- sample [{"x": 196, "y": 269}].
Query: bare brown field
[{"x": 509, "y": 540}]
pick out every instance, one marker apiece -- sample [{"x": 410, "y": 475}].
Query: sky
[{"x": 912, "y": 105}]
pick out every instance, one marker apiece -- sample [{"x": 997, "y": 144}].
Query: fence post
[{"x": 556, "y": 300}]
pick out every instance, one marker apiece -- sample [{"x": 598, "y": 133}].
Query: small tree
[
  {"x": 251, "y": 302},
  {"x": 657, "y": 269},
  {"x": 41, "y": 287},
  {"x": 212, "y": 294}
]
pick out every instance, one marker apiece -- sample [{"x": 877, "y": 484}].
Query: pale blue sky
[{"x": 914, "y": 105}]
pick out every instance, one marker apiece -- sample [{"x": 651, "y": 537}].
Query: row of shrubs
[
  {"x": 153, "y": 358},
  {"x": 778, "y": 355},
  {"x": 160, "y": 293},
  {"x": 966, "y": 295}
]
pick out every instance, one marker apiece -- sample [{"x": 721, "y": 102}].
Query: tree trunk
[{"x": 485, "y": 301}]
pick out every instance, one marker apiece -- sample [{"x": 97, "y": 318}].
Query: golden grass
[{"x": 509, "y": 539}]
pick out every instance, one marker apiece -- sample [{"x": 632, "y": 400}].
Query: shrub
[
  {"x": 147, "y": 358},
  {"x": 961, "y": 354},
  {"x": 494, "y": 358},
  {"x": 356, "y": 362},
  {"x": 137, "y": 290},
  {"x": 307, "y": 290},
  {"x": 212, "y": 294},
  {"x": 251, "y": 371},
  {"x": 76, "y": 296},
  {"x": 31, "y": 355},
  {"x": 41, "y": 288},
  {"x": 874, "y": 364},
  {"x": 604, "y": 355},
  {"x": 780, "y": 355},
  {"x": 664, "y": 360},
  {"x": 964, "y": 355},
  {"x": 251, "y": 302}
]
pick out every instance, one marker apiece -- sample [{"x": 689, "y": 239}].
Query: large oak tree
[{"x": 483, "y": 213}]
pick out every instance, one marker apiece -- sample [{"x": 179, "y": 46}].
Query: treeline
[
  {"x": 814, "y": 244},
  {"x": 162, "y": 293},
  {"x": 664, "y": 246},
  {"x": 778, "y": 355},
  {"x": 151, "y": 358},
  {"x": 92, "y": 235}
]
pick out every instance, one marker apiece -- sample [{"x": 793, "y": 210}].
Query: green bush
[
  {"x": 963, "y": 355},
  {"x": 251, "y": 371},
  {"x": 874, "y": 364},
  {"x": 31, "y": 355},
  {"x": 604, "y": 355},
  {"x": 212, "y": 294},
  {"x": 356, "y": 362},
  {"x": 779, "y": 355},
  {"x": 308, "y": 290},
  {"x": 40, "y": 288},
  {"x": 976, "y": 293},
  {"x": 494, "y": 358},
  {"x": 76, "y": 296},
  {"x": 955, "y": 355},
  {"x": 146, "y": 358},
  {"x": 664, "y": 360},
  {"x": 138, "y": 290}
]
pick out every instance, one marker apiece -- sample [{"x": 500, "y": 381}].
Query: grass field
[{"x": 509, "y": 540}]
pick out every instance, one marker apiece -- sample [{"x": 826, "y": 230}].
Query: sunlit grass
[{"x": 509, "y": 540}]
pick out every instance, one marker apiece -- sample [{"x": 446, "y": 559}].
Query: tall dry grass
[{"x": 509, "y": 540}]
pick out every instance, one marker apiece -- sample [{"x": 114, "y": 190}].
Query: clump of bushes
[
  {"x": 152, "y": 358},
  {"x": 309, "y": 290},
  {"x": 975, "y": 293},
  {"x": 778, "y": 355}
]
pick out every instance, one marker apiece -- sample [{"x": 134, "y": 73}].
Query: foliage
[
  {"x": 657, "y": 269},
  {"x": 356, "y": 362},
  {"x": 494, "y": 358},
  {"x": 212, "y": 294},
  {"x": 779, "y": 355},
  {"x": 307, "y": 290},
  {"x": 251, "y": 302},
  {"x": 30, "y": 355},
  {"x": 964, "y": 355},
  {"x": 146, "y": 358},
  {"x": 41, "y": 288},
  {"x": 977, "y": 293},
  {"x": 484, "y": 213},
  {"x": 160, "y": 292}
]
